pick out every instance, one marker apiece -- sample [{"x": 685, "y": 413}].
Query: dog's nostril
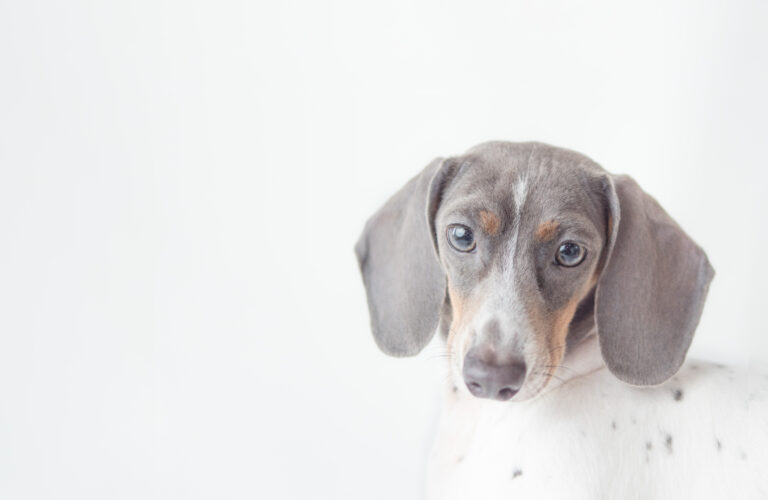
[
  {"x": 475, "y": 388},
  {"x": 505, "y": 394}
]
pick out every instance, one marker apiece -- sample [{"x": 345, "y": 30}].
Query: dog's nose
[{"x": 487, "y": 378}]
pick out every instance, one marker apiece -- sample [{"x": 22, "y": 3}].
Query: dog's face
[
  {"x": 520, "y": 245},
  {"x": 515, "y": 250}
]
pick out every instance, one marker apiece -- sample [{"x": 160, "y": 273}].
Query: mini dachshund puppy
[{"x": 567, "y": 299}]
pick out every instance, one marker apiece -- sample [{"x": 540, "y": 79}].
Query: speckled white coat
[{"x": 701, "y": 435}]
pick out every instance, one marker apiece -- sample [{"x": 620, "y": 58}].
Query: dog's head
[{"x": 517, "y": 250}]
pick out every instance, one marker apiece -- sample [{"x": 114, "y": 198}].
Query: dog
[{"x": 566, "y": 298}]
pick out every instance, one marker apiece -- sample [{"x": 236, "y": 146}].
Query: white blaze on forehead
[{"x": 520, "y": 192}]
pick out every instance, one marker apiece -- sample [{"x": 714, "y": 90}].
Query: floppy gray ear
[
  {"x": 404, "y": 281},
  {"x": 651, "y": 292}
]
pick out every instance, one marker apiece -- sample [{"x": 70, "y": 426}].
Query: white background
[{"x": 181, "y": 186}]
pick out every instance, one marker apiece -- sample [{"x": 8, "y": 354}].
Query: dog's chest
[{"x": 597, "y": 438}]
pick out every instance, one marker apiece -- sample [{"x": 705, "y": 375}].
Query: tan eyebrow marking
[
  {"x": 547, "y": 230},
  {"x": 490, "y": 222}
]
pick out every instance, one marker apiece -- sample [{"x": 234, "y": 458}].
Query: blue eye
[
  {"x": 460, "y": 237},
  {"x": 570, "y": 254}
]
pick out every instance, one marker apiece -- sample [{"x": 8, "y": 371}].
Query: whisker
[
  {"x": 559, "y": 366},
  {"x": 552, "y": 375},
  {"x": 557, "y": 347}
]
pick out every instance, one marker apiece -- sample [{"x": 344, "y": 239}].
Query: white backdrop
[{"x": 181, "y": 186}]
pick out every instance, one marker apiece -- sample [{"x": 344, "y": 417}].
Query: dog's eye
[
  {"x": 570, "y": 254},
  {"x": 460, "y": 237}
]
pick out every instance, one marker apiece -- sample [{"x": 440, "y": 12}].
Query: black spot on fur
[
  {"x": 613, "y": 425},
  {"x": 677, "y": 394},
  {"x": 455, "y": 389},
  {"x": 517, "y": 473},
  {"x": 668, "y": 442},
  {"x": 718, "y": 445},
  {"x": 648, "y": 445}
]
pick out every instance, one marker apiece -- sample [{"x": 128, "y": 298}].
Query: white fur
[
  {"x": 520, "y": 194},
  {"x": 587, "y": 436}
]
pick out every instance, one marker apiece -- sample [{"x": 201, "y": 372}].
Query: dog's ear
[
  {"x": 652, "y": 289},
  {"x": 397, "y": 253}
]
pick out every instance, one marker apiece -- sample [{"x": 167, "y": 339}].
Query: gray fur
[
  {"x": 651, "y": 294},
  {"x": 403, "y": 279}
]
